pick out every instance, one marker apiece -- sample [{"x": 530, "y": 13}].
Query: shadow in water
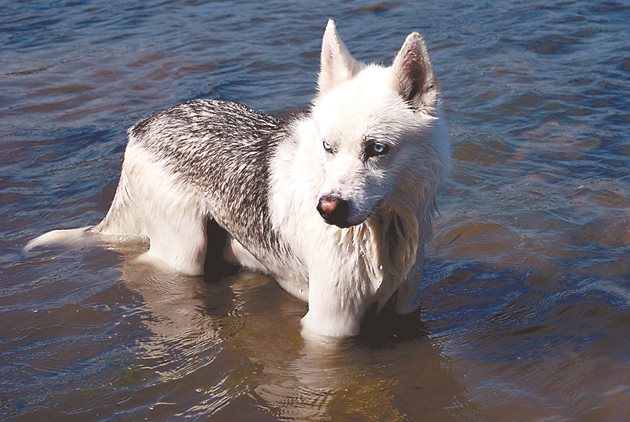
[{"x": 385, "y": 327}]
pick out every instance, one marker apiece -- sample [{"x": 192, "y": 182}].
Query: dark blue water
[{"x": 526, "y": 297}]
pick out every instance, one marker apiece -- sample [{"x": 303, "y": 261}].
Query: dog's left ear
[
  {"x": 414, "y": 76},
  {"x": 337, "y": 64}
]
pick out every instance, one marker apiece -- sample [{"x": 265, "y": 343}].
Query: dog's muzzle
[{"x": 334, "y": 210}]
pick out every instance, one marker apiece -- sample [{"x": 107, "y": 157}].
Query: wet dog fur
[{"x": 335, "y": 204}]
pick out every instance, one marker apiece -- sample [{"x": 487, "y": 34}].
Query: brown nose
[{"x": 334, "y": 210}]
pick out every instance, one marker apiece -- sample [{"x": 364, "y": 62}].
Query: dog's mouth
[{"x": 342, "y": 224}]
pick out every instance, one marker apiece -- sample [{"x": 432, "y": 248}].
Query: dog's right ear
[{"x": 337, "y": 64}]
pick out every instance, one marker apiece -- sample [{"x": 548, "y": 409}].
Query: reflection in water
[
  {"x": 181, "y": 340},
  {"x": 192, "y": 323}
]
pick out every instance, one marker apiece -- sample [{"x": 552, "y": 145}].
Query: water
[{"x": 526, "y": 297}]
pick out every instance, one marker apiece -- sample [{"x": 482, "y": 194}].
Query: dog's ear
[
  {"x": 337, "y": 64},
  {"x": 414, "y": 76}
]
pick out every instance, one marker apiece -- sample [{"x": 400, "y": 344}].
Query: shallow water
[{"x": 526, "y": 296}]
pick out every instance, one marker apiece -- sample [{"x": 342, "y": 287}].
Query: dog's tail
[{"x": 81, "y": 236}]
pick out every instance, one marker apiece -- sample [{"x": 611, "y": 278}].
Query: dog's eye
[
  {"x": 327, "y": 147},
  {"x": 376, "y": 148}
]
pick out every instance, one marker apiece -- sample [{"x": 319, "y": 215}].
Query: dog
[{"x": 335, "y": 203}]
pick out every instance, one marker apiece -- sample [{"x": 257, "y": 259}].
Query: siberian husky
[{"x": 335, "y": 204}]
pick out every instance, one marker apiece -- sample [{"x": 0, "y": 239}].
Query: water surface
[{"x": 526, "y": 296}]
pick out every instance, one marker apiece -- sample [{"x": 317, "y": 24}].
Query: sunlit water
[{"x": 526, "y": 297}]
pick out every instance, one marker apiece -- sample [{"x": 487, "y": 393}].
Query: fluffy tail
[{"x": 71, "y": 237}]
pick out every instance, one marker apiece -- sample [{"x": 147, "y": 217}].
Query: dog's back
[{"x": 222, "y": 149}]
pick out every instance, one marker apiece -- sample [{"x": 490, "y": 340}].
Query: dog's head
[{"x": 378, "y": 128}]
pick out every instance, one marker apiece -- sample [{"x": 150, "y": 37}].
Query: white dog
[{"x": 335, "y": 204}]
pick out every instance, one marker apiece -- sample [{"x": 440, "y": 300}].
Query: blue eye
[
  {"x": 376, "y": 148},
  {"x": 327, "y": 147}
]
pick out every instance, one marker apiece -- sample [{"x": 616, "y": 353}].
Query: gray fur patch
[{"x": 223, "y": 149}]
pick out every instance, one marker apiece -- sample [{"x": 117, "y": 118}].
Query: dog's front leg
[{"x": 336, "y": 304}]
